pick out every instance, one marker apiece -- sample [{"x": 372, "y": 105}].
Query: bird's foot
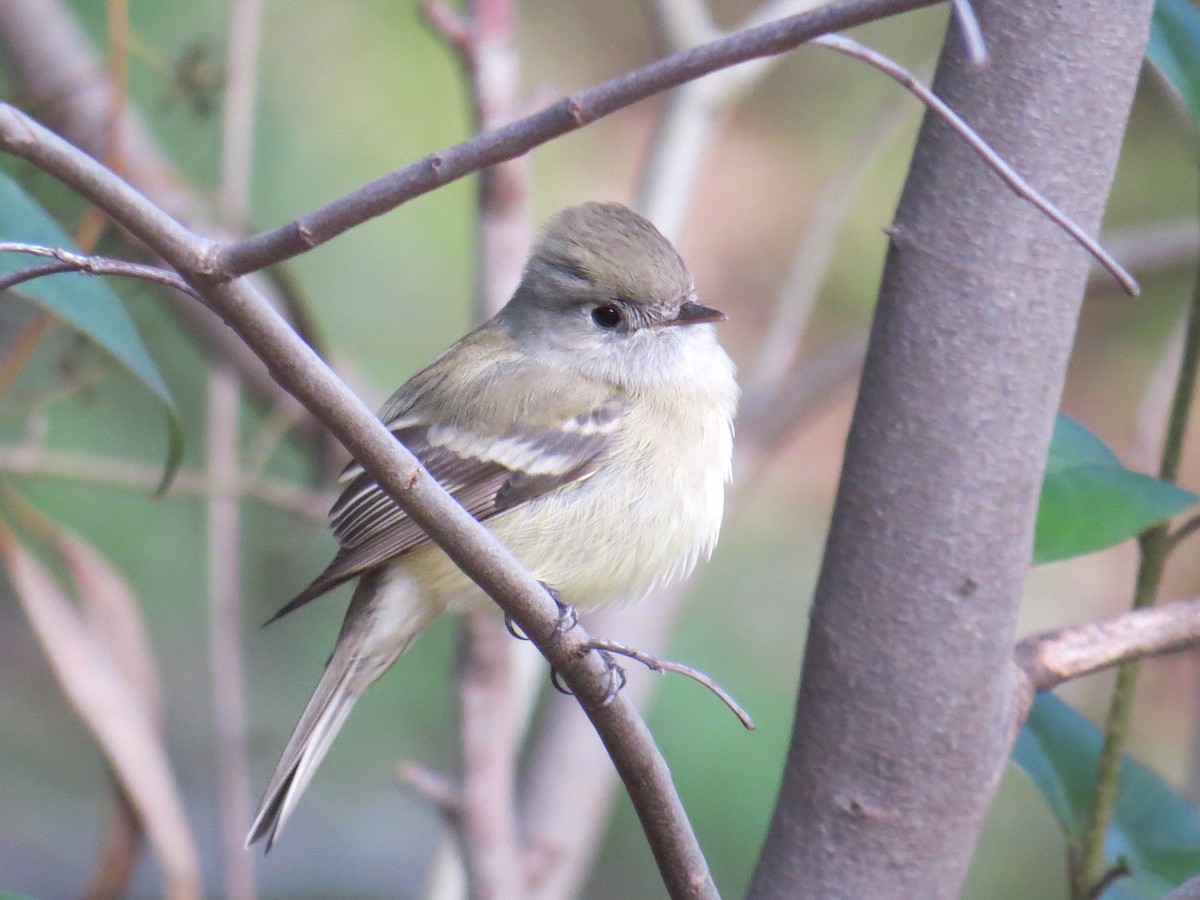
[
  {"x": 616, "y": 679},
  {"x": 568, "y": 617}
]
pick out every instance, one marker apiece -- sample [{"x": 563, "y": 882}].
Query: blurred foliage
[
  {"x": 1155, "y": 832},
  {"x": 349, "y": 91},
  {"x": 85, "y": 303}
]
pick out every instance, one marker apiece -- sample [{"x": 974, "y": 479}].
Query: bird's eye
[{"x": 607, "y": 316}]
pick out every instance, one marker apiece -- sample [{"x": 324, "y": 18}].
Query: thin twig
[
  {"x": 230, "y": 259},
  {"x": 225, "y": 630},
  {"x": 27, "y": 459},
  {"x": 451, "y": 26},
  {"x": 972, "y": 34},
  {"x": 86, "y": 264},
  {"x": 1114, "y": 874},
  {"x": 1008, "y": 175},
  {"x": 665, "y": 665},
  {"x": 123, "y": 840},
  {"x": 782, "y": 338},
  {"x": 1186, "y": 528},
  {"x": 436, "y": 788}
]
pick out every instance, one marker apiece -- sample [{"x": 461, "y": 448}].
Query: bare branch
[
  {"x": 224, "y": 471},
  {"x": 491, "y": 725},
  {"x": 782, "y": 338},
  {"x": 971, "y": 33},
  {"x": 29, "y": 459},
  {"x": 452, "y": 27},
  {"x": 225, "y": 630},
  {"x": 85, "y": 264},
  {"x": 654, "y": 664},
  {"x": 435, "y": 787},
  {"x": 1049, "y": 659},
  {"x": 568, "y": 114},
  {"x": 1008, "y": 175},
  {"x": 123, "y": 839},
  {"x": 682, "y": 23}
]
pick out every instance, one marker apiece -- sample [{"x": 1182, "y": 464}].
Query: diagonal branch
[
  {"x": 472, "y": 547},
  {"x": 1007, "y": 173},
  {"x": 229, "y": 260}
]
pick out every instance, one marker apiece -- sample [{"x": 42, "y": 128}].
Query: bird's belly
[{"x": 608, "y": 538}]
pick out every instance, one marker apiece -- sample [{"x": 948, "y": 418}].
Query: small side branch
[
  {"x": 654, "y": 664},
  {"x": 85, "y": 264},
  {"x": 1008, "y": 175},
  {"x": 1049, "y": 659}
]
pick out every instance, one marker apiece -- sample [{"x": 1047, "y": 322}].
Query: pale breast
[{"x": 645, "y": 517}]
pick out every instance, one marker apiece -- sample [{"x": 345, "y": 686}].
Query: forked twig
[
  {"x": 85, "y": 264},
  {"x": 665, "y": 665}
]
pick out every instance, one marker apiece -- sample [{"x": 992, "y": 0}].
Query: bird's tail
[{"x": 358, "y": 659}]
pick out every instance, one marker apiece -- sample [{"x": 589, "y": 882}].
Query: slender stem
[
  {"x": 224, "y": 469},
  {"x": 1155, "y": 546},
  {"x": 225, "y": 612}
]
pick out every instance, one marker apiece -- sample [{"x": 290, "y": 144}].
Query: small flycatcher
[{"x": 589, "y": 423}]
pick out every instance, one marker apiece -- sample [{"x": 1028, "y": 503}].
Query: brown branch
[
  {"x": 439, "y": 790},
  {"x": 655, "y": 664},
  {"x": 490, "y": 724},
  {"x": 472, "y": 547},
  {"x": 123, "y": 840},
  {"x": 1049, "y": 659},
  {"x": 224, "y": 470},
  {"x": 568, "y": 114},
  {"x": 225, "y": 631}
]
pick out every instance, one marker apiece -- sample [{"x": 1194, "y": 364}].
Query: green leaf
[
  {"x": 1174, "y": 50},
  {"x": 1153, "y": 829},
  {"x": 83, "y": 302},
  {"x": 1090, "y": 501}
]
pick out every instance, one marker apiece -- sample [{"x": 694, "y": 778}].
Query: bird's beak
[{"x": 692, "y": 313}]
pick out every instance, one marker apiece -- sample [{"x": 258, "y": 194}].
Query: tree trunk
[{"x": 902, "y": 720}]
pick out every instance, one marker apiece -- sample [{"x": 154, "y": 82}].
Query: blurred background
[{"x": 351, "y": 90}]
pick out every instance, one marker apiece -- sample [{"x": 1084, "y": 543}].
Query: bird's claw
[
  {"x": 568, "y": 617},
  {"x": 616, "y": 679}
]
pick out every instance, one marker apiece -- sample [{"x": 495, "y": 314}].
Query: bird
[{"x": 589, "y": 424}]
